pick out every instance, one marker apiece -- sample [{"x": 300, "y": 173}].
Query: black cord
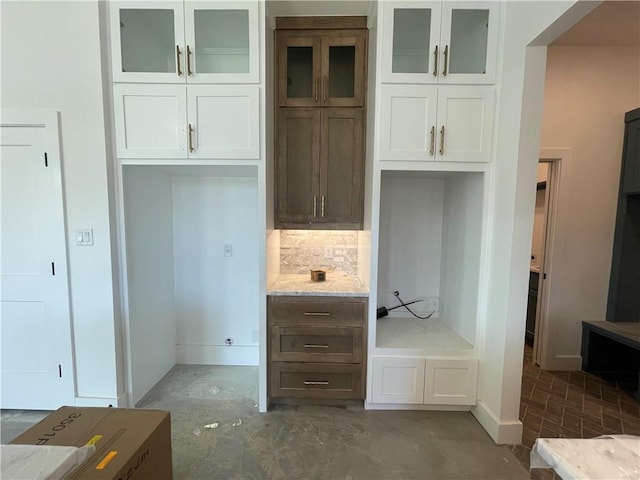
[{"x": 397, "y": 295}]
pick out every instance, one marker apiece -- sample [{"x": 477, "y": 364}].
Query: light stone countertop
[{"x": 335, "y": 285}]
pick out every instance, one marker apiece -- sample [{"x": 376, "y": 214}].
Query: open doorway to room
[{"x": 541, "y": 246}]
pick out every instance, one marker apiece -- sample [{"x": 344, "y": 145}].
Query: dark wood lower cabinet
[
  {"x": 317, "y": 348},
  {"x": 320, "y": 168},
  {"x": 316, "y": 380}
]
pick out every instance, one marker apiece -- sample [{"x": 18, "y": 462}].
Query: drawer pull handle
[
  {"x": 316, "y": 383},
  {"x": 313, "y": 345},
  {"x": 317, "y": 314}
]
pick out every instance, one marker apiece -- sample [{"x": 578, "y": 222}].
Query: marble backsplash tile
[{"x": 302, "y": 250}]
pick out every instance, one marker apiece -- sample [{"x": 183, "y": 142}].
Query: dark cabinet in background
[
  {"x": 534, "y": 278},
  {"x": 631, "y": 154},
  {"x": 623, "y": 303}
]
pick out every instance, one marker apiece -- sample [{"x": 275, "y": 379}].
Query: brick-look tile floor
[{"x": 571, "y": 405}]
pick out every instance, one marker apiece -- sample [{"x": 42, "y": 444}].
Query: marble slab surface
[{"x": 335, "y": 285}]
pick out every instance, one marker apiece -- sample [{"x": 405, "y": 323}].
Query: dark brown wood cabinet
[
  {"x": 316, "y": 347},
  {"x": 321, "y": 90},
  {"x": 320, "y": 168}
]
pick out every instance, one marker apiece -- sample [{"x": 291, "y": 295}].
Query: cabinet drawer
[
  {"x": 316, "y": 310},
  {"x": 316, "y": 344},
  {"x": 316, "y": 380}
]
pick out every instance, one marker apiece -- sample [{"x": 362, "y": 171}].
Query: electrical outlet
[
  {"x": 228, "y": 341},
  {"x": 328, "y": 251}
]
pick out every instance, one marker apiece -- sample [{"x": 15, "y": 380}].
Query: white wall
[
  {"x": 50, "y": 59},
  {"x": 150, "y": 277},
  {"x": 216, "y": 296},
  {"x": 462, "y": 231},
  {"x": 410, "y": 237},
  {"x": 587, "y": 92},
  {"x": 520, "y": 82}
]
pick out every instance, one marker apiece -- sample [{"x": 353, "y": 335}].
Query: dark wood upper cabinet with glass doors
[
  {"x": 321, "y": 66},
  {"x": 321, "y": 95}
]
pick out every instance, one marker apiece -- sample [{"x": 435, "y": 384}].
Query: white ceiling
[{"x": 613, "y": 23}]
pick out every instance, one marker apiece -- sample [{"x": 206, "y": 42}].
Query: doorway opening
[{"x": 548, "y": 182}]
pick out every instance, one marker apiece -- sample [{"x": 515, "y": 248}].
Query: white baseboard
[
  {"x": 404, "y": 406},
  {"x": 502, "y": 432},
  {"x": 565, "y": 363},
  {"x": 120, "y": 401},
  {"x": 217, "y": 355}
]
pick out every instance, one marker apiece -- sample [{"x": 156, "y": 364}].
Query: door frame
[
  {"x": 49, "y": 120},
  {"x": 556, "y": 158}
]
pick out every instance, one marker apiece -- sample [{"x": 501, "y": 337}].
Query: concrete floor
[{"x": 218, "y": 433}]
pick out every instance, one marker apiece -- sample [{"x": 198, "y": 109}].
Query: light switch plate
[{"x": 84, "y": 237}]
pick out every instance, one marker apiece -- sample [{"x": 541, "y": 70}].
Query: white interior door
[{"x": 35, "y": 323}]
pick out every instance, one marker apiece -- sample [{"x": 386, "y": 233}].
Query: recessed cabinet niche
[
  {"x": 192, "y": 42},
  {"x": 440, "y": 42},
  {"x": 430, "y": 245},
  {"x": 321, "y": 89}
]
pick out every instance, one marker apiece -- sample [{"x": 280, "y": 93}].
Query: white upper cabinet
[
  {"x": 440, "y": 42},
  {"x": 429, "y": 123},
  {"x": 178, "y": 42},
  {"x": 180, "y": 122}
]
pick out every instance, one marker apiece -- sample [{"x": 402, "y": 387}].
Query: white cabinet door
[
  {"x": 147, "y": 41},
  {"x": 469, "y": 42},
  {"x": 151, "y": 121},
  {"x": 176, "y": 42},
  {"x": 439, "y": 42},
  {"x": 465, "y": 123},
  {"x": 450, "y": 381},
  {"x": 410, "y": 38},
  {"x": 224, "y": 121},
  {"x": 443, "y": 123},
  {"x": 408, "y": 122},
  {"x": 398, "y": 380},
  {"x": 222, "y": 44}
]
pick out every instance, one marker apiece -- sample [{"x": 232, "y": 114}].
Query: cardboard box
[{"x": 130, "y": 443}]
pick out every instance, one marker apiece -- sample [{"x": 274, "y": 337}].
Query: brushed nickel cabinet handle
[
  {"x": 190, "y": 138},
  {"x": 322, "y": 207},
  {"x": 324, "y": 89},
  {"x": 307, "y": 382},
  {"x": 178, "y": 62},
  {"x": 433, "y": 141},
  {"x": 189, "y": 72},
  {"x": 315, "y": 210},
  {"x": 313, "y": 345},
  {"x": 435, "y": 63},
  {"x": 317, "y": 314},
  {"x": 446, "y": 60},
  {"x": 315, "y": 89},
  {"x": 442, "y": 140}
]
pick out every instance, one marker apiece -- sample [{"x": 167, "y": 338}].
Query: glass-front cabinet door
[
  {"x": 147, "y": 41},
  {"x": 433, "y": 42},
  {"x": 222, "y": 42},
  {"x": 321, "y": 68},
  {"x": 178, "y": 42},
  {"x": 299, "y": 65}
]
